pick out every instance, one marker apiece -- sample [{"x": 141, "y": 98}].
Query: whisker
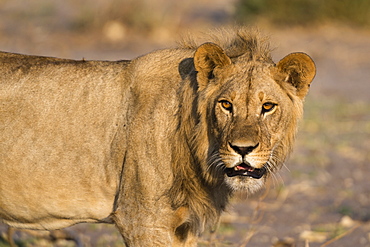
[
  {"x": 215, "y": 163},
  {"x": 286, "y": 167},
  {"x": 276, "y": 177},
  {"x": 273, "y": 165}
]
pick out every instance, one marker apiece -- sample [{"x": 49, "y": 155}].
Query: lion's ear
[
  {"x": 206, "y": 58},
  {"x": 298, "y": 69}
]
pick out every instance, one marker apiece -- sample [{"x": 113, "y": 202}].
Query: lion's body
[{"x": 139, "y": 143}]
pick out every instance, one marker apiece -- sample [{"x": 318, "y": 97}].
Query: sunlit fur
[
  {"x": 200, "y": 181},
  {"x": 144, "y": 143}
]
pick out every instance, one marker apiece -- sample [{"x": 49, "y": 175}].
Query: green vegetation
[{"x": 305, "y": 12}]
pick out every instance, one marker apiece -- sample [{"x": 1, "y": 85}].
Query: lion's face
[{"x": 252, "y": 112}]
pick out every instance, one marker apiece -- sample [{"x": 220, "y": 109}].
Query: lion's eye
[
  {"x": 267, "y": 107},
  {"x": 226, "y": 105}
]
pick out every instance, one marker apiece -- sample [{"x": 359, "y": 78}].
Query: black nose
[{"x": 243, "y": 150}]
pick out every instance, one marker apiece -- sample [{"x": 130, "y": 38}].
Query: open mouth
[{"x": 244, "y": 169}]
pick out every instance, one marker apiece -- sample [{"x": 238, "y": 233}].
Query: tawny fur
[{"x": 145, "y": 144}]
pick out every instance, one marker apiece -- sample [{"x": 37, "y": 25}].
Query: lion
[{"x": 156, "y": 145}]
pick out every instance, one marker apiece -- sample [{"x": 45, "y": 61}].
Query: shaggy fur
[{"x": 156, "y": 145}]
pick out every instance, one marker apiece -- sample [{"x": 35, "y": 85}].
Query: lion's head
[{"x": 248, "y": 108}]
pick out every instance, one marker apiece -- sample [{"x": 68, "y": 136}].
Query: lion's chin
[{"x": 245, "y": 183}]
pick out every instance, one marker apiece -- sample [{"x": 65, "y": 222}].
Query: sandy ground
[{"x": 323, "y": 192}]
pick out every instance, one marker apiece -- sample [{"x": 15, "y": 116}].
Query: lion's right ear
[
  {"x": 206, "y": 58},
  {"x": 298, "y": 69}
]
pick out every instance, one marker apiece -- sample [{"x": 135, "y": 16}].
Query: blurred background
[{"x": 321, "y": 197}]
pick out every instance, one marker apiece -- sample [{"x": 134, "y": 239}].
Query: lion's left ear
[
  {"x": 206, "y": 58},
  {"x": 298, "y": 69}
]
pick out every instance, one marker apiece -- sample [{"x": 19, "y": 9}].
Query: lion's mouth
[{"x": 244, "y": 169}]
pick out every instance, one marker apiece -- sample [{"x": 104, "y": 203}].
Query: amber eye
[
  {"x": 267, "y": 107},
  {"x": 226, "y": 105}
]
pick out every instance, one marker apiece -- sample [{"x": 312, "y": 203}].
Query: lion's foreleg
[
  {"x": 142, "y": 231},
  {"x": 162, "y": 227}
]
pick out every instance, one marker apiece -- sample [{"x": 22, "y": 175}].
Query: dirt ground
[{"x": 321, "y": 197}]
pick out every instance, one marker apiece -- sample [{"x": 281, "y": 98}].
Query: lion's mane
[{"x": 206, "y": 195}]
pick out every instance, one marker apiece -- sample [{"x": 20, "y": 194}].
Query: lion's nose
[{"x": 243, "y": 149}]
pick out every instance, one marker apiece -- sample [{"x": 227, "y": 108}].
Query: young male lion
[{"x": 155, "y": 145}]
